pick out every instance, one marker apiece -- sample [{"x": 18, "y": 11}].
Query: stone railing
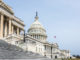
[{"x": 13, "y": 38}]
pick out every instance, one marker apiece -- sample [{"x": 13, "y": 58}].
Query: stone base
[{"x": 13, "y": 39}]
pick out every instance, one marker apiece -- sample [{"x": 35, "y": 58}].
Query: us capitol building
[{"x": 35, "y": 40}]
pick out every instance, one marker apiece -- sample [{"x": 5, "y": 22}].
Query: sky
[{"x": 60, "y": 18}]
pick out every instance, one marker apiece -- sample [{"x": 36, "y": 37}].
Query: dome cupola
[{"x": 37, "y": 30}]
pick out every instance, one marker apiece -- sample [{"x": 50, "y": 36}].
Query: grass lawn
[{"x": 74, "y": 59}]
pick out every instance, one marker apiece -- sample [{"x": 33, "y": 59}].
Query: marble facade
[{"x": 35, "y": 39}]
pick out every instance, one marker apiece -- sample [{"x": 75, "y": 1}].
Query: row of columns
[
  {"x": 6, "y": 27},
  {"x": 39, "y": 37}
]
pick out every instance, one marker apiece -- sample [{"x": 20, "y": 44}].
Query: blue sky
[{"x": 59, "y": 17}]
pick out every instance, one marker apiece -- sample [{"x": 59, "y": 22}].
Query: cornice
[
  {"x": 11, "y": 16},
  {"x": 6, "y": 7}
]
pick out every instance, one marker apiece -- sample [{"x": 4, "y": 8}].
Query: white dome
[
  {"x": 37, "y": 25},
  {"x": 37, "y": 30}
]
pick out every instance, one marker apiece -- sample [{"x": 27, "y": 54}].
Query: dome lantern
[{"x": 36, "y": 17}]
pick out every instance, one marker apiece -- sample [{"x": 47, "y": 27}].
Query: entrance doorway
[{"x": 55, "y": 57}]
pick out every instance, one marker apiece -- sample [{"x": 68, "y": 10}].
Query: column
[
  {"x": 9, "y": 27},
  {"x": 12, "y": 29},
  {"x": 6, "y": 28},
  {"x": 17, "y": 30},
  {"x": 2, "y": 25}
]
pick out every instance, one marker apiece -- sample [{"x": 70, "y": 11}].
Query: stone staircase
[{"x": 11, "y": 52}]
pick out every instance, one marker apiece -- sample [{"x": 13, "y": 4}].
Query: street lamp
[
  {"x": 51, "y": 51},
  {"x": 24, "y": 36}
]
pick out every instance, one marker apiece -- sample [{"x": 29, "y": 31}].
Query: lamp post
[
  {"x": 51, "y": 51},
  {"x": 24, "y": 36}
]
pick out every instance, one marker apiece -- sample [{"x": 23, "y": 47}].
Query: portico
[
  {"x": 9, "y": 23},
  {"x": 7, "y": 27}
]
